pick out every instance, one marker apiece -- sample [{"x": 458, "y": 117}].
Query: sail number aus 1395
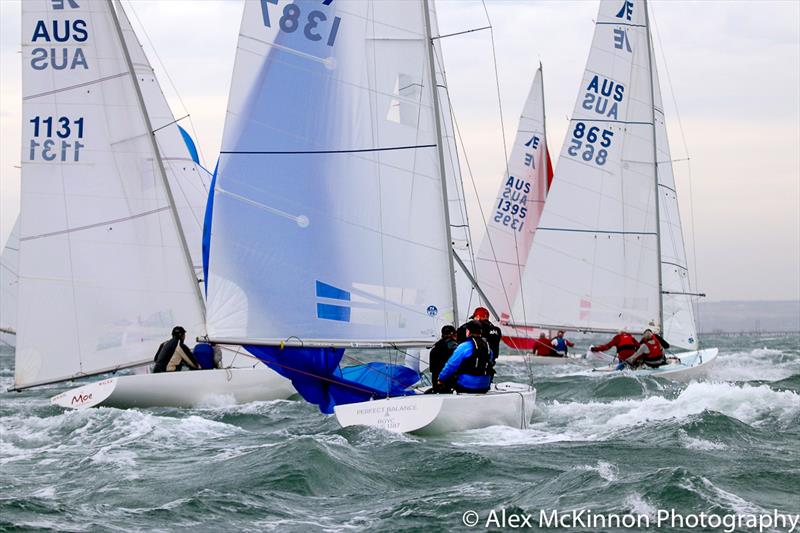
[
  {"x": 56, "y": 149},
  {"x": 291, "y": 20},
  {"x": 586, "y": 140}
]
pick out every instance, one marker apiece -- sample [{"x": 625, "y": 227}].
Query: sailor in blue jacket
[{"x": 471, "y": 367}]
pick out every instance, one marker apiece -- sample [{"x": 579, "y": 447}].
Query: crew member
[
  {"x": 441, "y": 352},
  {"x": 542, "y": 346},
  {"x": 470, "y": 368},
  {"x": 490, "y": 333},
  {"x": 173, "y": 354},
  {"x": 625, "y": 344},
  {"x": 650, "y": 351},
  {"x": 561, "y": 345}
]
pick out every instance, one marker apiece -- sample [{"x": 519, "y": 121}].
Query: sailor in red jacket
[
  {"x": 623, "y": 341},
  {"x": 542, "y": 346},
  {"x": 650, "y": 351}
]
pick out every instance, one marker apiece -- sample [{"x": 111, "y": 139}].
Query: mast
[
  {"x": 440, "y": 150},
  {"x": 655, "y": 162},
  {"x": 157, "y": 152}
]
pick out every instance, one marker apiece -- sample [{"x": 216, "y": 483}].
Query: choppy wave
[{"x": 621, "y": 444}]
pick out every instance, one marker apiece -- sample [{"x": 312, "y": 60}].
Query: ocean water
[{"x": 619, "y": 445}]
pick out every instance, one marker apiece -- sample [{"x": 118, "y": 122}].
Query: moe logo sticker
[{"x": 433, "y": 310}]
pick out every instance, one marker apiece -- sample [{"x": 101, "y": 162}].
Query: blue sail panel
[
  {"x": 316, "y": 376},
  {"x": 190, "y": 145},
  {"x": 207, "y": 228}
]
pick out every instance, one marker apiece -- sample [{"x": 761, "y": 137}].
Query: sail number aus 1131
[
  {"x": 290, "y": 21},
  {"x": 50, "y": 149},
  {"x": 587, "y": 140}
]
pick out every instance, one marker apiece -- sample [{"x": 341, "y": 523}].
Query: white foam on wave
[
  {"x": 694, "y": 443},
  {"x": 761, "y": 364},
  {"x": 715, "y": 495},
  {"x": 604, "y": 469},
  {"x": 639, "y": 506},
  {"x": 110, "y": 433},
  {"x": 593, "y": 421}
]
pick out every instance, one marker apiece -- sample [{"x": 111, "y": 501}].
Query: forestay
[
  {"x": 596, "y": 248},
  {"x": 103, "y": 273},
  {"x": 188, "y": 180},
  {"x": 503, "y": 255},
  {"x": 328, "y": 217}
]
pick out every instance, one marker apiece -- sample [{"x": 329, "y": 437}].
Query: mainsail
[
  {"x": 104, "y": 270},
  {"x": 503, "y": 255},
  {"x": 9, "y": 280},
  {"x": 609, "y": 240},
  {"x": 329, "y": 222}
]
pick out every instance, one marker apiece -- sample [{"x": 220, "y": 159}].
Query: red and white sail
[{"x": 511, "y": 224}]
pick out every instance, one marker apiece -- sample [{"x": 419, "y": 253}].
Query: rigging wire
[
  {"x": 169, "y": 78},
  {"x": 688, "y": 169}
]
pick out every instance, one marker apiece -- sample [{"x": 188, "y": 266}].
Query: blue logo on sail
[
  {"x": 626, "y": 10},
  {"x": 332, "y": 311}
]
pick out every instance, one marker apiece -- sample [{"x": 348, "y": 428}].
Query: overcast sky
[{"x": 732, "y": 68}]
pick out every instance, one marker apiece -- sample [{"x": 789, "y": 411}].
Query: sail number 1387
[{"x": 292, "y": 19}]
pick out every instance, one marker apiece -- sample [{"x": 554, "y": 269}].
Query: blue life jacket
[{"x": 561, "y": 345}]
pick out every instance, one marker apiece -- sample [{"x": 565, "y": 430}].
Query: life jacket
[
  {"x": 656, "y": 352},
  {"x": 561, "y": 345},
  {"x": 480, "y": 362},
  {"x": 626, "y": 346},
  {"x": 439, "y": 355}
]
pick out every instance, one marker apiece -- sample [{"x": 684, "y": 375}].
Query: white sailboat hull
[
  {"x": 543, "y": 360},
  {"x": 507, "y": 404},
  {"x": 179, "y": 389},
  {"x": 692, "y": 366}
]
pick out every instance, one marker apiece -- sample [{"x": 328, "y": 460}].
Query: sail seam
[
  {"x": 77, "y": 86},
  {"x": 599, "y": 231},
  {"x": 95, "y": 225},
  {"x": 630, "y": 123},
  {"x": 621, "y": 24},
  {"x": 350, "y": 151}
]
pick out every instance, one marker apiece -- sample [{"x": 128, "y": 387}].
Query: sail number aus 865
[
  {"x": 58, "y": 149},
  {"x": 292, "y": 19},
  {"x": 586, "y": 140}
]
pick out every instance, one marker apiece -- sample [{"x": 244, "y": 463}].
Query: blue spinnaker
[{"x": 316, "y": 375}]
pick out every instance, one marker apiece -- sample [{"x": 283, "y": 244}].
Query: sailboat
[
  {"x": 110, "y": 219},
  {"x": 9, "y": 265},
  {"x": 511, "y": 225},
  {"x": 330, "y": 230},
  {"x": 609, "y": 252}
]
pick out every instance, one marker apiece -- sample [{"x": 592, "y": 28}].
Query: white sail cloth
[
  {"x": 9, "y": 281},
  {"x": 596, "y": 251},
  {"x": 103, "y": 275},
  {"x": 503, "y": 255},
  {"x": 328, "y": 216}
]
